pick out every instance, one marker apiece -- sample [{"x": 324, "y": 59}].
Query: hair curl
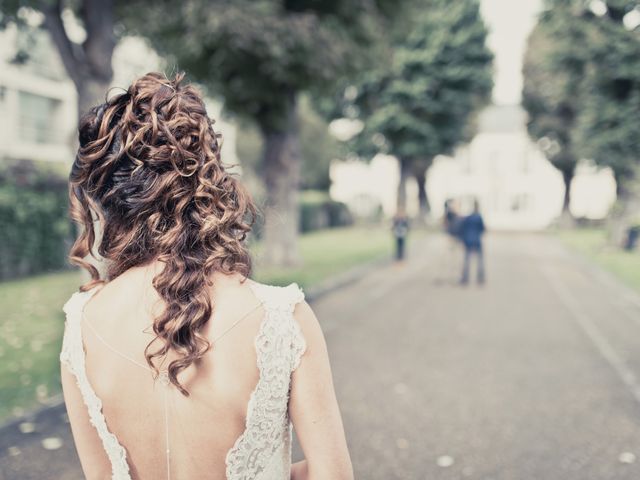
[{"x": 148, "y": 166}]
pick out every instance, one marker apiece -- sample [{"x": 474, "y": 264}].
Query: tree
[
  {"x": 590, "y": 98},
  {"x": 317, "y": 148},
  {"x": 554, "y": 67},
  {"x": 610, "y": 120},
  {"x": 259, "y": 55},
  {"x": 421, "y": 104},
  {"x": 88, "y": 64}
]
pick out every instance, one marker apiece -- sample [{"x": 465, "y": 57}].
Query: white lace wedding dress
[{"x": 263, "y": 450}]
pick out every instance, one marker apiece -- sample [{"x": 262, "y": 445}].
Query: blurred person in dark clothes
[
  {"x": 451, "y": 219},
  {"x": 400, "y": 230},
  {"x": 451, "y": 223},
  {"x": 471, "y": 231}
]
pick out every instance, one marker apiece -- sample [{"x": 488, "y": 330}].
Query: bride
[{"x": 175, "y": 364}]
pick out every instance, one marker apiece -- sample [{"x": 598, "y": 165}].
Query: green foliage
[
  {"x": 258, "y": 54},
  {"x": 582, "y": 85},
  {"x": 609, "y": 125},
  {"x": 554, "y": 67},
  {"x": 34, "y": 228},
  {"x": 420, "y": 104}
]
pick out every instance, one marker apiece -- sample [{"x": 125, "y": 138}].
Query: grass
[
  {"x": 593, "y": 244},
  {"x": 32, "y": 320},
  {"x": 30, "y": 337},
  {"x": 329, "y": 252}
]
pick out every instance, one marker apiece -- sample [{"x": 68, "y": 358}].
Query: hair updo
[{"x": 148, "y": 167}]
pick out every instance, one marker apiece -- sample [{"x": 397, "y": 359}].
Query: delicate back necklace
[{"x": 163, "y": 375}]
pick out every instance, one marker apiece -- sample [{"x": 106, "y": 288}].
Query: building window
[{"x": 38, "y": 118}]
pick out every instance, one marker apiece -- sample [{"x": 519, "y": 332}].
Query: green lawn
[
  {"x": 32, "y": 320},
  {"x": 30, "y": 335},
  {"x": 328, "y": 252},
  {"x": 592, "y": 243}
]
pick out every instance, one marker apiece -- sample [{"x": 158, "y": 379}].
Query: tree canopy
[
  {"x": 582, "y": 85},
  {"x": 258, "y": 54},
  {"x": 438, "y": 76},
  {"x": 610, "y": 120},
  {"x": 420, "y": 104},
  {"x": 554, "y": 68}
]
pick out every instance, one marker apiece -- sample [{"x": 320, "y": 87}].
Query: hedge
[
  {"x": 318, "y": 210},
  {"x": 35, "y": 231}
]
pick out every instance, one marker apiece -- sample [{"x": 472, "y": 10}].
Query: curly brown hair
[{"x": 148, "y": 168}]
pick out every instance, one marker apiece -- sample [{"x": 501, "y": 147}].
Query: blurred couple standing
[{"x": 467, "y": 230}]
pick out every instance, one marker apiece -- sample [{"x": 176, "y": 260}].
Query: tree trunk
[
  {"x": 627, "y": 206},
  {"x": 423, "y": 201},
  {"x": 566, "y": 218},
  {"x": 401, "y": 202},
  {"x": 567, "y": 177},
  {"x": 91, "y": 92},
  {"x": 281, "y": 162},
  {"x": 88, "y": 65}
]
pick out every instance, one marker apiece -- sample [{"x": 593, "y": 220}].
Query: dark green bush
[
  {"x": 318, "y": 210},
  {"x": 35, "y": 232}
]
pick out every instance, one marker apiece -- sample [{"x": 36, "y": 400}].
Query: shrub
[
  {"x": 35, "y": 231},
  {"x": 318, "y": 210}
]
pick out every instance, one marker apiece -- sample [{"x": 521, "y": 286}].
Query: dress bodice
[{"x": 263, "y": 450}]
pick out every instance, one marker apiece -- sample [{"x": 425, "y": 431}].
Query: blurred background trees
[
  {"x": 413, "y": 74},
  {"x": 582, "y": 90},
  {"x": 551, "y": 92},
  {"x": 260, "y": 56},
  {"x": 420, "y": 102}
]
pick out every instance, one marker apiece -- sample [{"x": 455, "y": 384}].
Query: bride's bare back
[{"x": 210, "y": 419}]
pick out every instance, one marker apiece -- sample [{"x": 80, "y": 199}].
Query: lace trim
[
  {"x": 279, "y": 348},
  {"x": 73, "y": 356}
]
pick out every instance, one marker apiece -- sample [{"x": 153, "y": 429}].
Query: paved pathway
[{"x": 534, "y": 376}]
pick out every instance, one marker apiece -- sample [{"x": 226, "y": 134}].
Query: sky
[{"x": 509, "y": 22}]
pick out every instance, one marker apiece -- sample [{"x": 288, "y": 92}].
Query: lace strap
[
  {"x": 282, "y": 301},
  {"x": 72, "y": 347},
  {"x": 72, "y": 355},
  {"x": 279, "y": 345}
]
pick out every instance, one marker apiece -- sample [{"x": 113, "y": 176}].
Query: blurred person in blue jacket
[{"x": 471, "y": 231}]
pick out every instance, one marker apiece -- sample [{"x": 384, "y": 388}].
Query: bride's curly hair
[{"x": 148, "y": 168}]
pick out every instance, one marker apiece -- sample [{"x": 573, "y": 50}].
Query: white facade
[
  {"x": 365, "y": 187},
  {"x": 516, "y": 186},
  {"x": 38, "y": 102}
]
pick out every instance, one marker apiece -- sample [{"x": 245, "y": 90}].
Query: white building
[
  {"x": 37, "y": 101},
  {"x": 501, "y": 167},
  {"x": 38, "y": 106},
  {"x": 516, "y": 186}
]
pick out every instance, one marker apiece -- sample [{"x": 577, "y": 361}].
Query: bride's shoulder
[{"x": 275, "y": 295}]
